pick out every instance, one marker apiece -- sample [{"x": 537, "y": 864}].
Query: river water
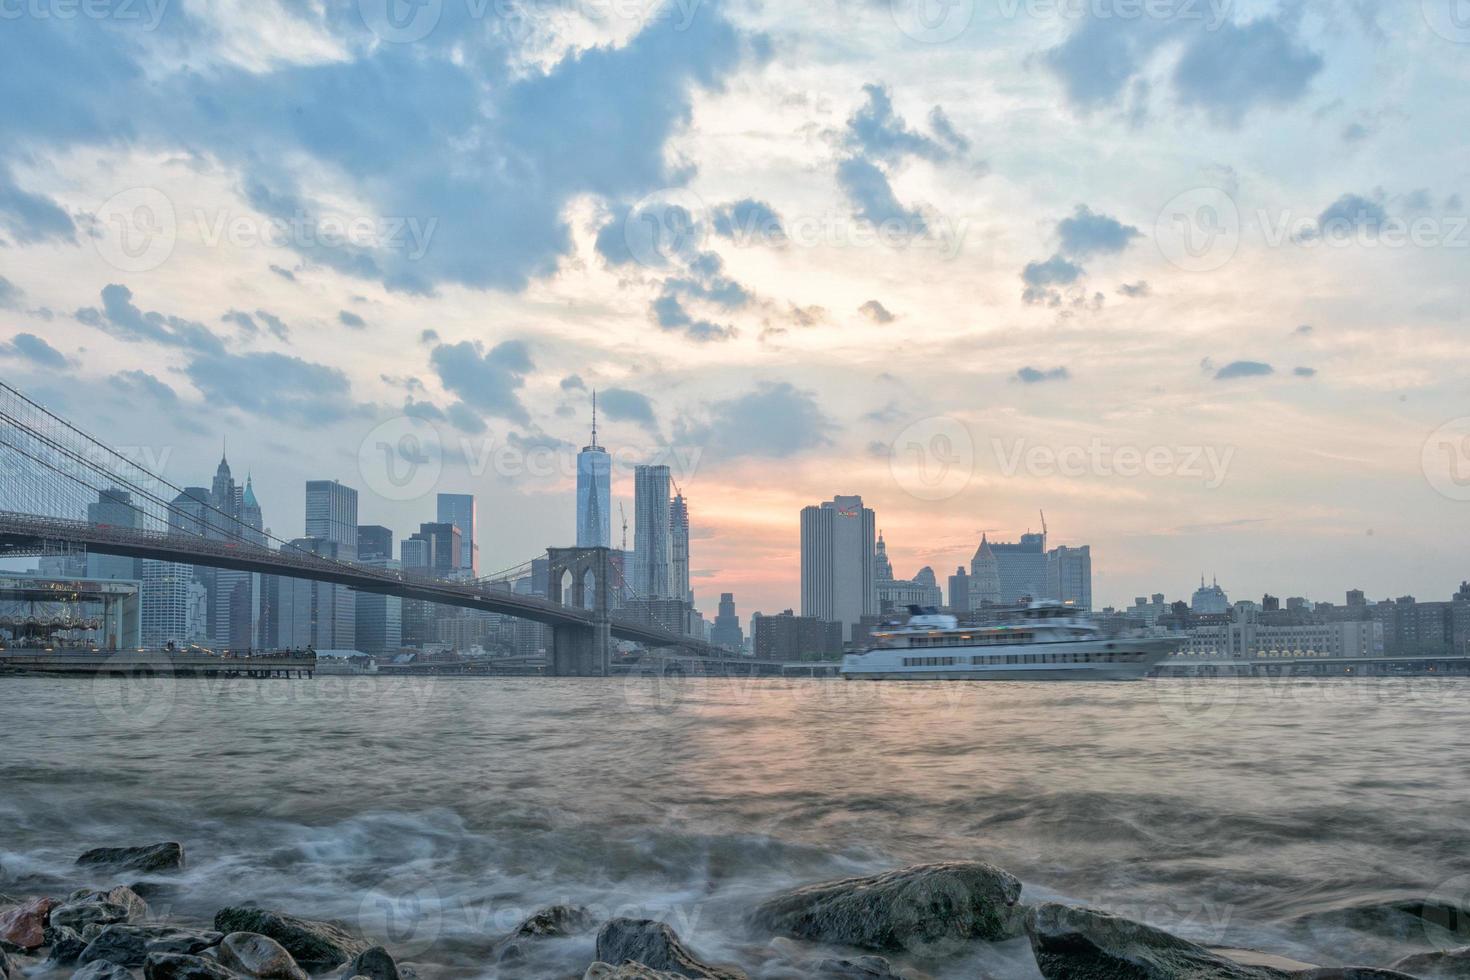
[{"x": 433, "y": 814}]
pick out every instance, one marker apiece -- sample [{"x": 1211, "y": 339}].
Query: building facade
[
  {"x": 652, "y": 553},
  {"x": 594, "y": 492},
  {"x": 459, "y": 509},
  {"x": 838, "y": 561}
]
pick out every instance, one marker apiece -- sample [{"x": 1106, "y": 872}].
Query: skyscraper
[
  {"x": 331, "y": 512},
  {"x": 882, "y": 567},
  {"x": 679, "y": 549},
  {"x": 838, "y": 582},
  {"x": 114, "y": 507},
  {"x": 1069, "y": 575},
  {"x": 1019, "y": 567},
  {"x": 594, "y": 492},
  {"x": 374, "y": 541},
  {"x": 459, "y": 509},
  {"x": 331, "y": 532},
  {"x": 726, "y": 632},
  {"x": 651, "y": 551}
]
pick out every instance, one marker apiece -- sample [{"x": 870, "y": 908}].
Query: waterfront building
[
  {"x": 838, "y": 550},
  {"x": 1247, "y": 636},
  {"x": 168, "y": 603},
  {"x": 594, "y": 492},
  {"x": 789, "y": 637},
  {"x": 459, "y": 509},
  {"x": 652, "y": 554}
]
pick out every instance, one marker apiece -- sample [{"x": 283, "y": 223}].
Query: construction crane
[{"x": 624, "y": 514}]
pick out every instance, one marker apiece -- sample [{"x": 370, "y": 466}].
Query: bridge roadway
[{"x": 26, "y": 534}]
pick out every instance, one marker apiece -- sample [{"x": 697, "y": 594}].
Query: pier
[
  {"x": 133, "y": 663},
  {"x": 1310, "y": 666}
]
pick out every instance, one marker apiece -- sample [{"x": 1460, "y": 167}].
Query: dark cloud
[
  {"x": 1347, "y": 216},
  {"x": 622, "y": 405},
  {"x": 776, "y": 420},
  {"x": 1303, "y": 330},
  {"x": 427, "y": 411},
  {"x": 1243, "y": 369},
  {"x": 1041, "y": 278},
  {"x": 27, "y": 217},
  {"x": 573, "y": 382},
  {"x": 876, "y": 312},
  {"x": 1087, "y": 233},
  {"x": 747, "y": 222},
  {"x": 275, "y": 386},
  {"x": 136, "y": 384},
  {"x": 1030, "y": 375},
  {"x": 247, "y": 325},
  {"x": 1305, "y": 372},
  {"x": 10, "y": 294},
  {"x": 486, "y": 381},
  {"x": 1135, "y": 290},
  {"x": 349, "y": 319},
  {"x": 286, "y": 274},
  {"x": 121, "y": 318},
  {"x": 877, "y": 132},
  {"x": 466, "y": 419},
  {"x": 670, "y": 314},
  {"x": 872, "y": 197},
  {"x": 29, "y": 347}
]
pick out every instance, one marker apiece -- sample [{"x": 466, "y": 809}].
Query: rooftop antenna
[{"x": 594, "y": 417}]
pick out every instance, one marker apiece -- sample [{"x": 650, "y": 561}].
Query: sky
[{"x": 1189, "y": 276}]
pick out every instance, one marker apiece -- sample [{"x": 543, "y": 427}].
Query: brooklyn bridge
[{"x": 50, "y": 469}]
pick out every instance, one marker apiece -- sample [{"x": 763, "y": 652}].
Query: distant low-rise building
[{"x": 789, "y": 637}]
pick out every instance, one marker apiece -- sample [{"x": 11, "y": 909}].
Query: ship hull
[{"x": 1079, "y": 660}]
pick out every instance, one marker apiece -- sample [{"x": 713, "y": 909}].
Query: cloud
[
  {"x": 876, "y": 312},
  {"x": 747, "y": 222},
  {"x": 1347, "y": 216},
  {"x": 29, "y": 347},
  {"x": 121, "y": 318},
  {"x": 28, "y": 217},
  {"x": 466, "y": 419},
  {"x": 1303, "y": 330},
  {"x": 485, "y": 380},
  {"x": 573, "y": 382},
  {"x": 775, "y": 420},
  {"x": 136, "y": 384},
  {"x": 1243, "y": 369},
  {"x": 1240, "y": 67},
  {"x": 350, "y": 319},
  {"x": 670, "y": 314},
  {"x": 1305, "y": 372},
  {"x": 10, "y": 294},
  {"x": 1030, "y": 375},
  {"x": 1087, "y": 233},
  {"x": 286, "y": 274},
  {"x": 1135, "y": 290},
  {"x": 1041, "y": 277},
  {"x": 875, "y": 131},
  {"x": 622, "y": 405},
  {"x": 275, "y": 386},
  {"x": 872, "y": 197}
]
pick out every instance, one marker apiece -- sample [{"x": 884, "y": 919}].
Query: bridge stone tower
[{"x": 577, "y": 650}]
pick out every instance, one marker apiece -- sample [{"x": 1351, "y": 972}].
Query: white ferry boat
[{"x": 1039, "y": 641}]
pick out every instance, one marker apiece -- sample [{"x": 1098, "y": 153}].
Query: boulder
[
  {"x": 258, "y": 956},
  {"x": 7, "y": 969},
  {"x": 130, "y": 945},
  {"x": 102, "y": 970},
  {"x": 1449, "y": 964},
  {"x": 1349, "y": 973},
  {"x": 316, "y": 946},
  {"x": 64, "y": 946},
  {"x": 181, "y": 966},
  {"x": 373, "y": 963},
  {"x": 167, "y": 856},
  {"x": 79, "y": 915},
  {"x": 121, "y": 895},
  {"x": 656, "y": 946},
  {"x": 627, "y": 971},
  {"x": 553, "y": 921},
  {"x": 858, "y": 968},
  {"x": 1082, "y": 944},
  {"x": 910, "y": 908},
  {"x": 24, "y": 927}
]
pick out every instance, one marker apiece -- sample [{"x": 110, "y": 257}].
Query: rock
[
  {"x": 1452, "y": 964},
  {"x": 258, "y": 956},
  {"x": 373, "y": 963},
  {"x": 24, "y": 928},
  {"x": 121, "y": 895},
  {"x": 129, "y": 945},
  {"x": 7, "y": 970},
  {"x": 909, "y": 908},
  {"x": 1349, "y": 973},
  {"x": 1083, "y": 944},
  {"x": 65, "y": 946},
  {"x": 79, "y": 915},
  {"x": 861, "y": 968},
  {"x": 102, "y": 970},
  {"x": 553, "y": 921},
  {"x": 181, "y": 966},
  {"x": 316, "y": 946},
  {"x": 628, "y": 971},
  {"x": 655, "y": 946},
  {"x": 151, "y": 857}
]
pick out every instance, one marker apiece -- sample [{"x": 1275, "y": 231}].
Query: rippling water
[{"x": 435, "y": 813}]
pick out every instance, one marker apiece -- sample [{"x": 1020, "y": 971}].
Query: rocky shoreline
[{"x": 109, "y": 932}]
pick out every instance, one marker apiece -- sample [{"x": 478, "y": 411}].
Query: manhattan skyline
[{"x": 1296, "y": 387}]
